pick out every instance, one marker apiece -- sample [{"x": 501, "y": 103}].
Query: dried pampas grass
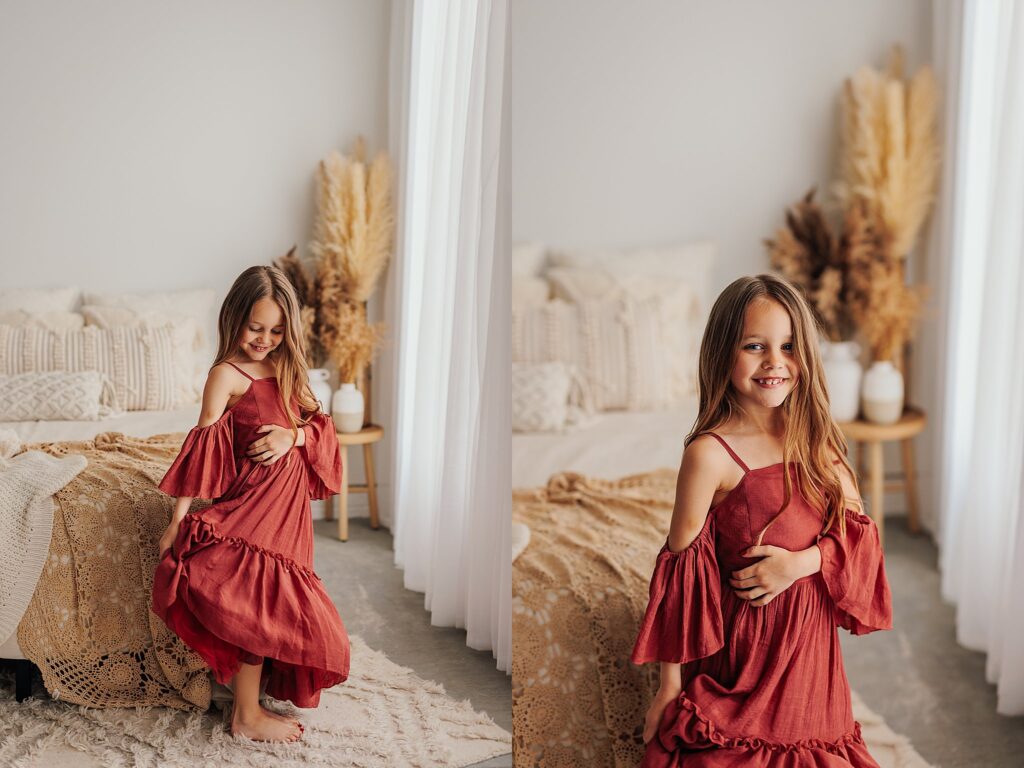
[
  {"x": 807, "y": 253},
  {"x": 352, "y": 240},
  {"x": 353, "y": 342},
  {"x": 889, "y": 153}
]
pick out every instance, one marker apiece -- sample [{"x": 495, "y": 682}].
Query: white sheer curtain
[
  {"x": 980, "y": 246},
  {"x": 445, "y": 380}
]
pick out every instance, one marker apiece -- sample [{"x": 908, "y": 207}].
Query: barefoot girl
[
  {"x": 767, "y": 552},
  {"x": 235, "y": 579}
]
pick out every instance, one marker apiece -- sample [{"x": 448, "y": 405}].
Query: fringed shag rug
[
  {"x": 383, "y": 715},
  {"x": 890, "y": 749}
]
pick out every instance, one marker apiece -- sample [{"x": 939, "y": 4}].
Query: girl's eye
[
  {"x": 277, "y": 333},
  {"x": 788, "y": 347}
]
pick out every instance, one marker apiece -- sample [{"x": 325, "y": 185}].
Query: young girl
[
  {"x": 766, "y": 553},
  {"x": 235, "y": 580}
]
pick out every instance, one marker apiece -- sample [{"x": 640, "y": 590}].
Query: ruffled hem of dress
[
  {"x": 308, "y": 645},
  {"x": 690, "y": 729},
  {"x": 210, "y": 535}
]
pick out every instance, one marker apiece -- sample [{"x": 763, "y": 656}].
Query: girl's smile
[
  {"x": 766, "y": 369},
  {"x": 264, "y": 331}
]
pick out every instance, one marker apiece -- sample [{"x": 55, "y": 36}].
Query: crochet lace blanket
[
  {"x": 579, "y": 591},
  {"x": 88, "y": 626},
  {"x": 27, "y": 484}
]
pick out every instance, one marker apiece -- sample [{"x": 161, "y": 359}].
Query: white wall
[
  {"x": 149, "y": 145},
  {"x": 658, "y": 121}
]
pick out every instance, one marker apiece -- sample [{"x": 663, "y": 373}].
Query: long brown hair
[
  {"x": 289, "y": 357},
  {"x": 812, "y": 437}
]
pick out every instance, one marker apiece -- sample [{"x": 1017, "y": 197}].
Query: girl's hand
[
  {"x": 662, "y": 699},
  {"x": 169, "y": 536},
  {"x": 272, "y": 446},
  {"x": 761, "y": 582}
]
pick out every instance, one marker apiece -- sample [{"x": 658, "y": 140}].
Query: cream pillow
[
  {"x": 691, "y": 262},
  {"x": 676, "y": 303},
  {"x": 618, "y": 347},
  {"x": 138, "y": 361},
  {"x": 547, "y": 397},
  {"x": 40, "y": 300},
  {"x": 53, "y": 320},
  {"x": 57, "y": 395},
  {"x": 529, "y": 290},
  {"x": 528, "y": 259},
  {"x": 189, "y": 372},
  {"x": 191, "y": 310}
]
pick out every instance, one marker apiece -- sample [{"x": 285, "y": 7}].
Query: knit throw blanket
[
  {"x": 578, "y": 592},
  {"x": 27, "y": 484},
  {"x": 88, "y": 626}
]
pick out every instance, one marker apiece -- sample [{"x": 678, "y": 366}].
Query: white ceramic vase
[
  {"x": 882, "y": 393},
  {"x": 318, "y": 382},
  {"x": 347, "y": 408},
  {"x": 843, "y": 377}
]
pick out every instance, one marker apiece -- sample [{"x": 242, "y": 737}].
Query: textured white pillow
[
  {"x": 618, "y": 346},
  {"x": 547, "y": 396},
  {"x": 48, "y": 320},
  {"x": 40, "y": 300},
  {"x": 691, "y": 262},
  {"x": 529, "y": 290},
  {"x": 191, "y": 312},
  {"x": 682, "y": 323},
  {"x": 186, "y": 337},
  {"x": 528, "y": 259},
  {"x": 138, "y": 361},
  {"x": 57, "y": 395}
]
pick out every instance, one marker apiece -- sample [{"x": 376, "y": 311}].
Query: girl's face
[
  {"x": 264, "y": 331},
  {"x": 766, "y": 369}
]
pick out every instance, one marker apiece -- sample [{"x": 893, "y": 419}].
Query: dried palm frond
[{"x": 806, "y": 252}]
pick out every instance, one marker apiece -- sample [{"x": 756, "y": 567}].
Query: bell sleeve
[
  {"x": 323, "y": 456},
  {"x": 853, "y": 569},
  {"x": 205, "y": 466},
  {"x": 683, "y": 621}
]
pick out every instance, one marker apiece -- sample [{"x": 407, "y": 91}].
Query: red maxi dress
[
  {"x": 238, "y": 583},
  {"x": 762, "y": 686}
]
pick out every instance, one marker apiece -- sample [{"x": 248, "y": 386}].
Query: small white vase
[
  {"x": 347, "y": 408},
  {"x": 882, "y": 393},
  {"x": 843, "y": 377},
  {"x": 321, "y": 388}
]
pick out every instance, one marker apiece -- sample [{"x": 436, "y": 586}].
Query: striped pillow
[
  {"x": 137, "y": 360},
  {"x": 618, "y": 345}
]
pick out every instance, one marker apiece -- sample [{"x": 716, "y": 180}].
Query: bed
[{"x": 597, "y": 501}]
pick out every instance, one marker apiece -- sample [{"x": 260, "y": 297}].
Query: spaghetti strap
[
  {"x": 732, "y": 453},
  {"x": 250, "y": 378}
]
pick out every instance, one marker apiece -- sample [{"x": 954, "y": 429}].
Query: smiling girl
[
  {"x": 235, "y": 580},
  {"x": 767, "y": 553}
]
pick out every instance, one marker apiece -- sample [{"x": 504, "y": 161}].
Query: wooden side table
[
  {"x": 366, "y": 437},
  {"x": 874, "y": 435}
]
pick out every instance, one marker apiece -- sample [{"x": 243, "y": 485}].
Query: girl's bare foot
[
  {"x": 261, "y": 725},
  {"x": 279, "y": 716}
]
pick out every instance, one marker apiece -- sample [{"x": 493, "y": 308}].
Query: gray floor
[
  {"x": 366, "y": 587},
  {"x": 916, "y": 676}
]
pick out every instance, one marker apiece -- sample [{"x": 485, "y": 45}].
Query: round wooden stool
[
  {"x": 366, "y": 437},
  {"x": 904, "y": 430}
]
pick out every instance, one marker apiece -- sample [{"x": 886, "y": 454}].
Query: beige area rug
[
  {"x": 383, "y": 715},
  {"x": 890, "y": 749}
]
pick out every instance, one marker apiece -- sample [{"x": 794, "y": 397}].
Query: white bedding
[
  {"x": 614, "y": 445},
  {"x": 133, "y": 423}
]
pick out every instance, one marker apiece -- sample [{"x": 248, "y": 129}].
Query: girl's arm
[
  {"x": 216, "y": 393},
  {"x": 699, "y": 477}
]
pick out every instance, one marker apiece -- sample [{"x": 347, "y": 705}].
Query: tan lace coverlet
[
  {"x": 579, "y": 591},
  {"x": 89, "y": 627}
]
